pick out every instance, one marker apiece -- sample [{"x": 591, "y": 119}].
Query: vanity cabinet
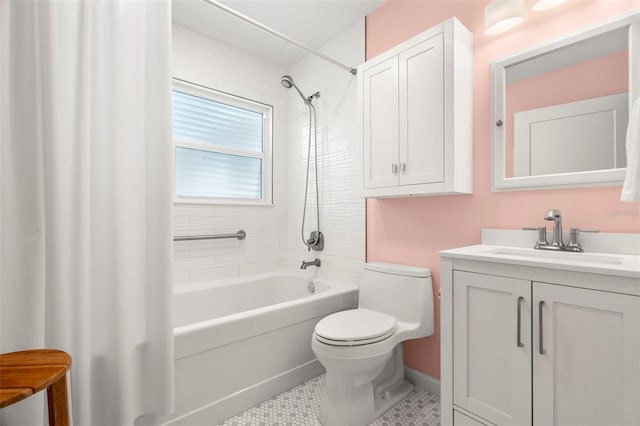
[
  {"x": 415, "y": 105},
  {"x": 492, "y": 374},
  {"x": 523, "y": 346},
  {"x": 586, "y": 359}
]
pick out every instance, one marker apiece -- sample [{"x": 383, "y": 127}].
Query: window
[{"x": 223, "y": 147}]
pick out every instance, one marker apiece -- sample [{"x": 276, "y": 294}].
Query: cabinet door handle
[
  {"x": 394, "y": 168},
  {"x": 403, "y": 167},
  {"x": 519, "y": 338},
  {"x": 541, "y": 340}
]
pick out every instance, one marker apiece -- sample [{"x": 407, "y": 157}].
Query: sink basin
[{"x": 550, "y": 255}]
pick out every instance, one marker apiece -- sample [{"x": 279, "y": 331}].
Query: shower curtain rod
[{"x": 278, "y": 34}]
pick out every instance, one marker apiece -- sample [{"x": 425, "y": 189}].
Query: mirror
[{"x": 560, "y": 110}]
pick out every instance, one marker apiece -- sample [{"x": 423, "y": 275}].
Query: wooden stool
[{"x": 25, "y": 373}]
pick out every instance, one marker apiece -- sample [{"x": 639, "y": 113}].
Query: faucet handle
[
  {"x": 574, "y": 232},
  {"x": 542, "y": 236},
  {"x": 574, "y": 245},
  {"x": 573, "y": 238}
]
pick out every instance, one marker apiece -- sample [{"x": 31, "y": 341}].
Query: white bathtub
[{"x": 238, "y": 343}]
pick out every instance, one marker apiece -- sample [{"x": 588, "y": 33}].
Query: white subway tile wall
[
  {"x": 273, "y": 232},
  {"x": 342, "y": 208}
]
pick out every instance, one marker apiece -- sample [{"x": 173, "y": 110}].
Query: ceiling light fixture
[
  {"x": 502, "y": 15},
  {"x": 539, "y": 5}
]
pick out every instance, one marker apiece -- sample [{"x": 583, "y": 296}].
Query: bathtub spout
[{"x": 305, "y": 265}]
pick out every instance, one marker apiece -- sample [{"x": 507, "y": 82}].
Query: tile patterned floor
[{"x": 300, "y": 407}]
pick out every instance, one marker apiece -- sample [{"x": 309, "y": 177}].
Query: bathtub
[{"x": 241, "y": 342}]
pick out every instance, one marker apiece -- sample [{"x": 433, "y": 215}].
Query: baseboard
[
  {"x": 422, "y": 380},
  {"x": 222, "y": 409}
]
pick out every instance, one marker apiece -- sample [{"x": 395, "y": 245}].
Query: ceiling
[{"x": 310, "y": 22}]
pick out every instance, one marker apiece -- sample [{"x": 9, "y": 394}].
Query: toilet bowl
[{"x": 361, "y": 348}]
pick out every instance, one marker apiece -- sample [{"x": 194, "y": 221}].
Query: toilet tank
[{"x": 406, "y": 292}]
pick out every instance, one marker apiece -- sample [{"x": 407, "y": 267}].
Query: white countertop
[{"x": 617, "y": 264}]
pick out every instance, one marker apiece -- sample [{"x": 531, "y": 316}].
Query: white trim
[
  {"x": 220, "y": 201},
  {"x": 446, "y": 340},
  {"x": 219, "y": 96},
  {"x": 266, "y": 155},
  {"x": 422, "y": 380}
]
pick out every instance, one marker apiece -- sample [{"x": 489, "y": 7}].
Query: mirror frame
[{"x": 608, "y": 177}]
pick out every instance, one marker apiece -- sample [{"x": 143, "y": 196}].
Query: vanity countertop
[
  {"x": 623, "y": 265},
  {"x": 604, "y": 253}
]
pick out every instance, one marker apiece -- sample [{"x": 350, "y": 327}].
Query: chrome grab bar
[{"x": 239, "y": 235}]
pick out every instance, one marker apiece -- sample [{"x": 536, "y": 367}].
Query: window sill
[{"x": 212, "y": 202}]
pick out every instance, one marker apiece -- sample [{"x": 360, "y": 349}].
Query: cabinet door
[
  {"x": 589, "y": 373},
  {"x": 380, "y": 133},
  {"x": 491, "y": 354},
  {"x": 421, "y": 79}
]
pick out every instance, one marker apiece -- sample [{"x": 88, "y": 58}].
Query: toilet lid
[{"x": 355, "y": 327}]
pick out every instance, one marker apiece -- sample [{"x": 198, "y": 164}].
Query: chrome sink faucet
[
  {"x": 557, "y": 242},
  {"x": 556, "y": 217},
  {"x": 305, "y": 265}
]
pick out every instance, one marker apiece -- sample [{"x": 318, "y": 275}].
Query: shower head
[{"x": 287, "y": 82}]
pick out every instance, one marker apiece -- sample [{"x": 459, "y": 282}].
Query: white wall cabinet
[
  {"x": 416, "y": 112},
  {"x": 518, "y": 351}
]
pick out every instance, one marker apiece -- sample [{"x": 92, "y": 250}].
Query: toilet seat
[{"x": 355, "y": 327}]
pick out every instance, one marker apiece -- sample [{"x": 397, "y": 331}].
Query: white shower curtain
[{"x": 85, "y": 200}]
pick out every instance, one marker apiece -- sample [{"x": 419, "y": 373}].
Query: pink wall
[{"x": 413, "y": 230}]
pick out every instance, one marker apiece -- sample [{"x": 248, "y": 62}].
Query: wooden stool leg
[{"x": 58, "y": 404}]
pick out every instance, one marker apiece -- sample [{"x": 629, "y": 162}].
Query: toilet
[{"x": 361, "y": 348}]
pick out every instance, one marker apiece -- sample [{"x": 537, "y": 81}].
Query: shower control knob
[{"x": 316, "y": 241}]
